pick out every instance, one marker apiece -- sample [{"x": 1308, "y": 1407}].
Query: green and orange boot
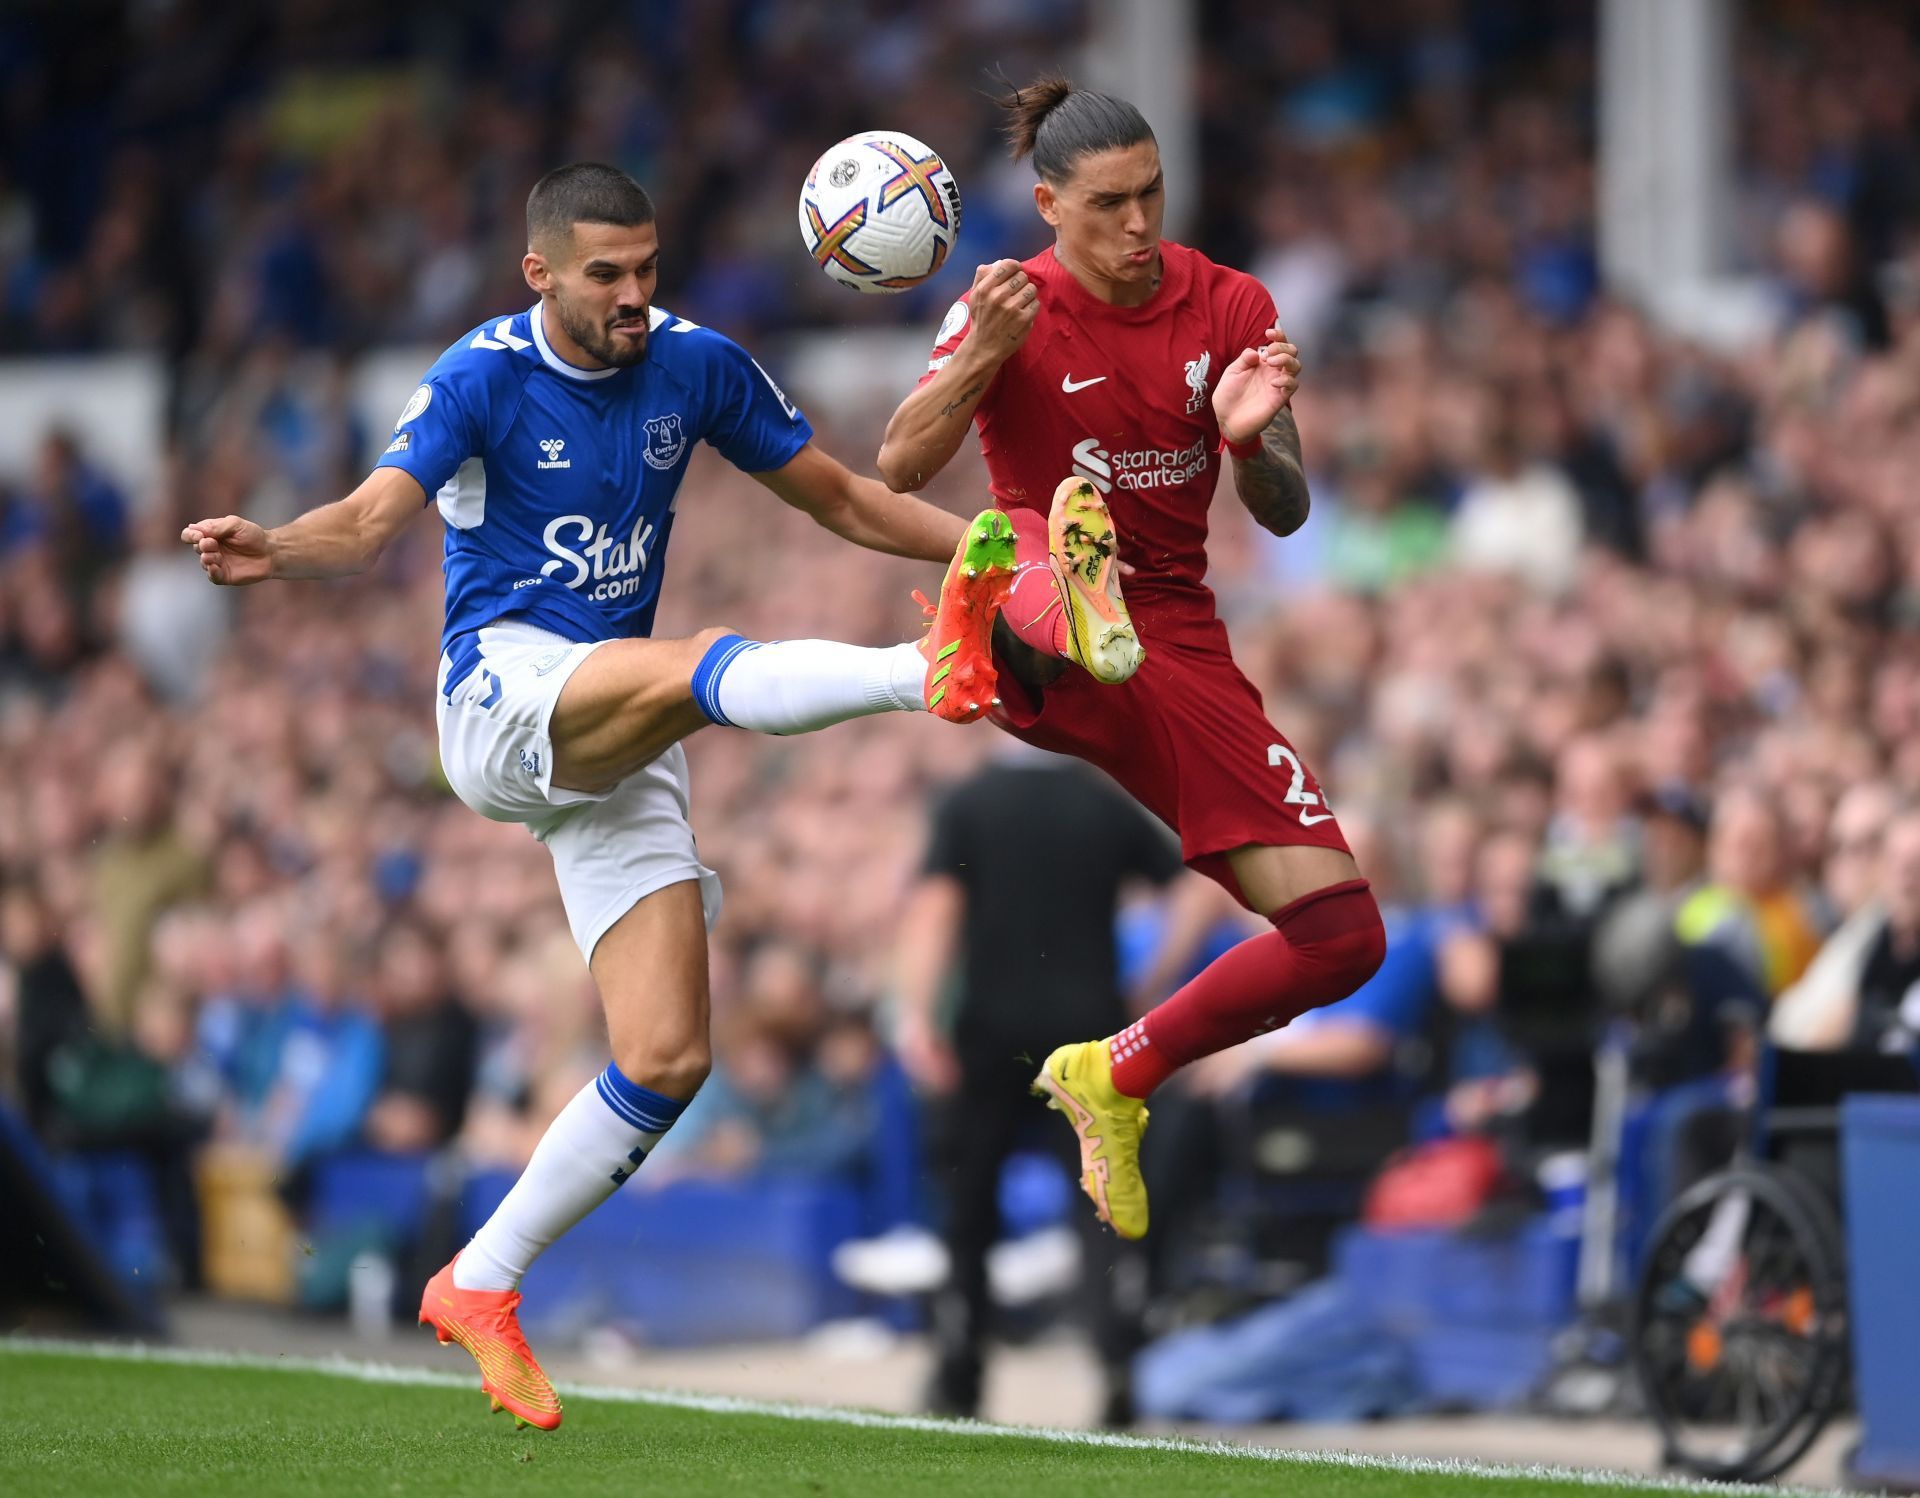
[{"x": 961, "y": 680}]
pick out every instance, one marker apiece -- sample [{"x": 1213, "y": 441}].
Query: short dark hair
[
  {"x": 585, "y": 192},
  {"x": 1056, "y": 124}
]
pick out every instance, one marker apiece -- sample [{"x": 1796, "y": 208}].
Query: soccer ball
[{"x": 879, "y": 211}]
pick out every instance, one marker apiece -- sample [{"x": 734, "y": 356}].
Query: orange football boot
[{"x": 487, "y": 1324}]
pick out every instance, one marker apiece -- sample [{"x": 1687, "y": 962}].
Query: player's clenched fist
[
  {"x": 1005, "y": 304},
  {"x": 232, "y": 551}
]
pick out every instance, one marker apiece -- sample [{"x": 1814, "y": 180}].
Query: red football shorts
[{"x": 1188, "y": 738}]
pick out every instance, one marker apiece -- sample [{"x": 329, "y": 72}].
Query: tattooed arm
[
  {"x": 1252, "y": 402},
  {"x": 1272, "y": 483},
  {"x": 927, "y": 430}
]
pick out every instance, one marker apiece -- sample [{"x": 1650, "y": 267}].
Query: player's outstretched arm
[
  {"x": 928, "y": 428},
  {"x": 1252, "y": 404},
  {"x": 862, "y": 511},
  {"x": 344, "y": 537}
]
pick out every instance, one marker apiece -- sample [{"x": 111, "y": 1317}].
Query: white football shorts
[{"x": 610, "y": 848}]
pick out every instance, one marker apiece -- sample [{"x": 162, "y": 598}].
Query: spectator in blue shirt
[
  {"x": 72, "y": 508},
  {"x": 301, "y": 1051}
]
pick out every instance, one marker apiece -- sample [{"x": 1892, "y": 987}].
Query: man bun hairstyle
[
  {"x": 1056, "y": 124},
  {"x": 585, "y": 192}
]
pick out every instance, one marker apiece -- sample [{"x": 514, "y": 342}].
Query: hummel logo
[
  {"x": 1069, "y": 384},
  {"x": 552, "y": 446}
]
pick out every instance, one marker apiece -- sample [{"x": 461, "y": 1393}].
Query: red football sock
[
  {"x": 1323, "y": 946},
  {"x": 1032, "y": 609}
]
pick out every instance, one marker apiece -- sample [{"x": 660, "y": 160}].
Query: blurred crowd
[
  {"x": 1607, "y": 644},
  {"x": 209, "y": 179}
]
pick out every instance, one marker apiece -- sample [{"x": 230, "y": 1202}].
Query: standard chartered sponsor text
[{"x": 1140, "y": 467}]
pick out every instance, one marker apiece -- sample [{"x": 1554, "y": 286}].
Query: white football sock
[
  {"x": 796, "y": 686},
  {"x": 598, "y": 1140}
]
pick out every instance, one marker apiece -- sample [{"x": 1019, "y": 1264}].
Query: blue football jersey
[{"x": 558, "y": 484}]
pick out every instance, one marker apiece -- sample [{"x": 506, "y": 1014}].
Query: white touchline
[
  {"x": 726, "y": 1404},
  {"x": 1069, "y": 384}
]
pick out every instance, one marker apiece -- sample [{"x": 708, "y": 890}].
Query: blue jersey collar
[{"x": 554, "y": 361}]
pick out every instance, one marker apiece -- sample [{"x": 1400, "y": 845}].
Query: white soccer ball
[{"x": 879, "y": 211}]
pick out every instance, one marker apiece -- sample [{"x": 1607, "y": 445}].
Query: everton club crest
[{"x": 665, "y": 441}]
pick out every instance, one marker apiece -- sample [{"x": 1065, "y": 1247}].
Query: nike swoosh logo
[
  {"x": 1307, "y": 819},
  {"x": 1070, "y": 384}
]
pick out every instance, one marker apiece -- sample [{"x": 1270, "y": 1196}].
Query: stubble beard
[{"x": 598, "y": 340}]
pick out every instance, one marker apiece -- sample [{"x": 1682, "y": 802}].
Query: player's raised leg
[
  {"x": 631, "y": 699},
  {"x": 796, "y": 686},
  {"x": 651, "y": 970},
  {"x": 1066, "y": 599},
  {"x": 1327, "y": 940}
]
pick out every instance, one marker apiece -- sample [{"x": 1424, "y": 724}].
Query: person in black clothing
[
  {"x": 1017, "y": 901},
  {"x": 50, "y": 1007},
  {"x": 432, "y": 1046}
]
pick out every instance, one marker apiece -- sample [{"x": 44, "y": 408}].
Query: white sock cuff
[
  {"x": 797, "y": 686},
  {"x": 597, "y": 1141}
]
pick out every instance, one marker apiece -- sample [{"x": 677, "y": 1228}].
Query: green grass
[{"x": 72, "y": 1424}]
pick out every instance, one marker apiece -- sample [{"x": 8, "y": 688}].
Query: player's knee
[
  {"x": 687, "y": 1073},
  {"x": 1370, "y": 938},
  {"x": 675, "y": 1066},
  {"x": 1339, "y": 929},
  {"x": 1028, "y": 666},
  {"x": 708, "y": 638}
]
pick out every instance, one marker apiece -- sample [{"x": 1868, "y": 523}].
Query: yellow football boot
[
  {"x": 1078, "y": 1080},
  {"x": 1086, "y": 561}
]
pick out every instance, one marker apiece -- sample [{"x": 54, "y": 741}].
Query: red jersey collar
[{"x": 1176, "y": 271}]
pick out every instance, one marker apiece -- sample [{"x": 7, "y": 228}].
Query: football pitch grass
[{"x": 88, "y": 1420}]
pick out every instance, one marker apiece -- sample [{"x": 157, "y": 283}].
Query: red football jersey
[{"x": 1123, "y": 396}]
